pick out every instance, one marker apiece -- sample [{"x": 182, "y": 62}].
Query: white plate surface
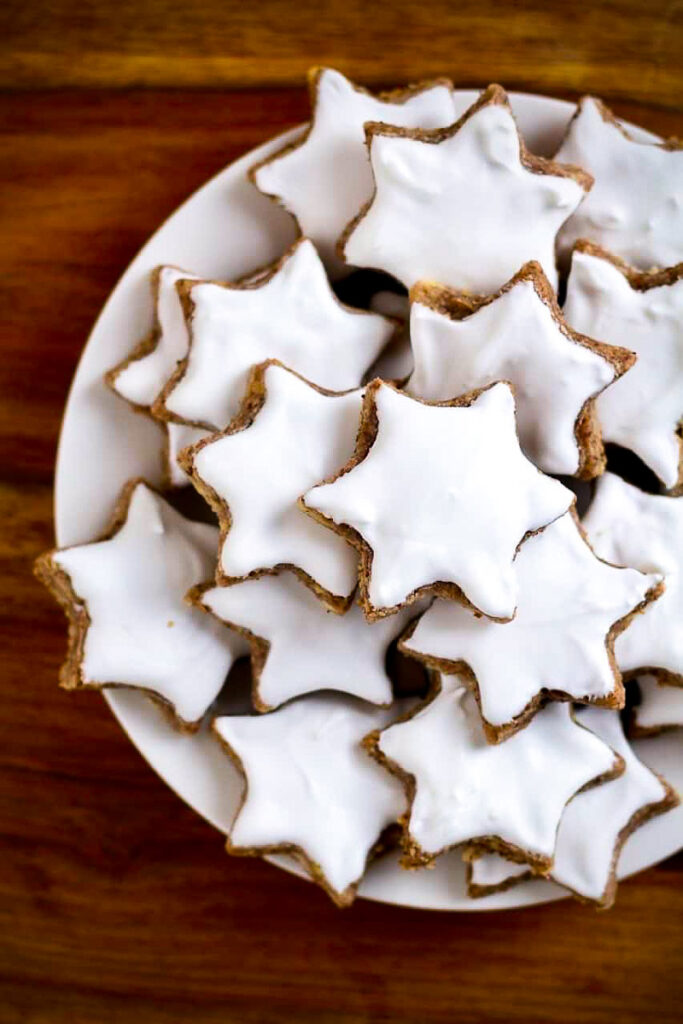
[{"x": 224, "y": 230}]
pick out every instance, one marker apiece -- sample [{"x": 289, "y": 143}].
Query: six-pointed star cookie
[
  {"x": 643, "y": 411},
  {"x": 324, "y": 178},
  {"x": 572, "y": 606},
  {"x": 143, "y": 374},
  {"x": 594, "y": 826},
  {"x": 509, "y": 797},
  {"x": 660, "y": 707},
  {"x": 289, "y": 435},
  {"x": 520, "y": 335},
  {"x": 628, "y": 527},
  {"x": 423, "y": 499},
  {"x": 124, "y": 596},
  {"x": 635, "y": 207},
  {"x": 311, "y": 790},
  {"x": 291, "y": 315},
  {"x": 464, "y": 206},
  {"x": 298, "y": 646}
]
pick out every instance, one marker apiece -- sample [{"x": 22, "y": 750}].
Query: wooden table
[{"x": 116, "y": 901}]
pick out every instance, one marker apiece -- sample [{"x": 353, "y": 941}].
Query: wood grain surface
[{"x": 117, "y": 903}]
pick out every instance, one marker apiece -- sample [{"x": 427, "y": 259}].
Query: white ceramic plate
[{"x": 224, "y": 230}]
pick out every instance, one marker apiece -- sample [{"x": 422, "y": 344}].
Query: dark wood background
[{"x": 116, "y": 901}]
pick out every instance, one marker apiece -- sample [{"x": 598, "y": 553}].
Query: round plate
[{"x": 223, "y": 231}]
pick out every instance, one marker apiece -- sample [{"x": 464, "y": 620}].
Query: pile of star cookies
[{"x": 393, "y": 482}]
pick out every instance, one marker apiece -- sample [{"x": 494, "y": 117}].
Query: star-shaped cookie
[
  {"x": 508, "y": 797},
  {"x": 628, "y": 527},
  {"x": 311, "y": 790},
  {"x": 142, "y": 375},
  {"x": 635, "y": 208},
  {"x": 463, "y": 206},
  {"x": 324, "y": 177},
  {"x": 423, "y": 495},
  {"x": 571, "y": 609},
  {"x": 290, "y": 314},
  {"x": 520, "y": 335},
  {"x": 124, "y": 596},
  {"x": 289, "y": 435},
  {"x": 298, "y": 646},
  {"x": 594, "y": 826},
  {"x": 660, "y": 707},
  {"x": 643, "y": 411}
]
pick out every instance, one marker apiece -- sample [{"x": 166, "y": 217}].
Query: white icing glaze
[
  {"x": 515, "y": 338},
  {"x": 635, "y": 207},
  {"x": 396, "y": 361},
  {"x": 628, "y": 527},
  {"x": 591, "y": 824},
  {"x": 642, "y": 409},
  {"x": 427, "y": 499},
  {"x": 180, "y": 436},
  {"x": 294, "y": 317},
  {"x": 311, "y": 784},
  {"x": 661, "y": 705},
  {"x": 141, "y": 632},
  {"x": 298, "y": 437},
  {"x": 467, "y": 788},
  {"x": 310, "y": 648},
  {"x": 327, "y": 179},
  {"x": 568, "y": 602},
  {"x": 142, "y": 380},
  {"x": 464, "y": 211}
]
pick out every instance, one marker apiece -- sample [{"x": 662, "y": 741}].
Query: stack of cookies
[{"x": 401, "y": 477}]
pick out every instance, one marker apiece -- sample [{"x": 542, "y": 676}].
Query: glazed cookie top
[
  {"x": 311, "y": 788},
  {"x": 324, "y": 178},
  {"x": 253, "y": 474},
  {"x": 661, "y": 706},
  {"x": 299, "y": 646},
  {"x": 424, "y": 495},
  {"x": 641, "y": 411},
  {"x": 571, "y": 606},
  {"x": 291, "y": 315},
  {"x": 465, "y": 206},
  {"x": 596, "y": 822},
  {"x": 628, "y": 527},
  {"x": 635, "y": 207},
  {"x": 126, "y": 596},
  {"x": 141, "y": 377},
  {"x": 518, "y": 335},
  {"x": 511, "y": 793}
]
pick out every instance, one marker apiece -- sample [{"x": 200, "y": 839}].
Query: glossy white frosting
[
  {"x": 635, "y": 208},
  {"x": 467, "y": 788},
  {"x": 568, "y": 602},
  {"x": 591, "y": 824},
  {"x": 310, "y": 648},
  {"x": 514, "y": 338},
  {"x": 298, "y": 437},
  {"x": 427, "y": 499},
  {"x": 294, "y": 317},
  {"x": 311, "y": 784},
  {"x": 628, "y": 527},
  {"x": 464, "y": 211},
  {"x": 640, "y": 411},
  {"x": 141, "y": 631},
  {"x": 142, "y": 380},
  {"x": 396, "y": 360},
  {"x": 326, "y": 179}
]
